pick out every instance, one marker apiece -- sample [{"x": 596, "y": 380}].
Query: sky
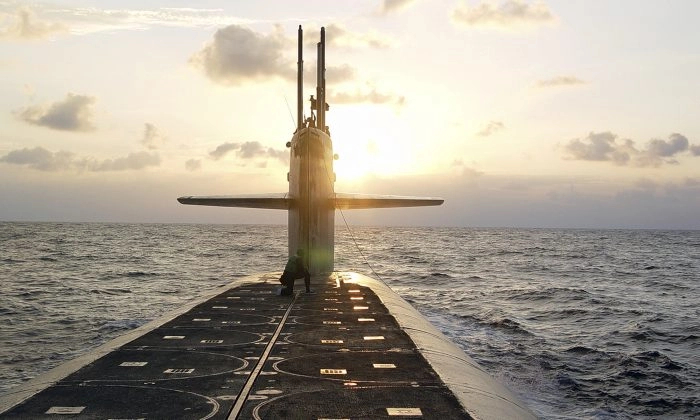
[{"x": 571, "y": 113}]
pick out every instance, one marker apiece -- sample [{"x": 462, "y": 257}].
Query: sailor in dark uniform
[{"x": 295, "y": 269}]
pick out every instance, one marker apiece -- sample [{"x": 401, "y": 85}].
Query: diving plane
[{"x": 311, "y": 201}]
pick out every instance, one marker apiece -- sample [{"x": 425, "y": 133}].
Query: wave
[
  {"x": 509, "y": 325},
  {"x": 436, "y": 275},
  {"x": 140, "y": 274}
]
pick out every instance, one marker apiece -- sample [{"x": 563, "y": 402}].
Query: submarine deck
[{"x": 248, "y": 353}]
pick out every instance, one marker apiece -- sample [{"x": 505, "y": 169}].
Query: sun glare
[{"x": 367, "y": 143}]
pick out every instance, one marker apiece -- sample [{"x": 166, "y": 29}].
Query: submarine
[{"x": 352, "y": 349}]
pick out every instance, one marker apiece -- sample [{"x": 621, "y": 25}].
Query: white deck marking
[
  {"x": 65, "y": 410},
  {"x": 412, "y": 411},
  {"x": 178, "y": 371},
  {"x": 334, "y": 372}
]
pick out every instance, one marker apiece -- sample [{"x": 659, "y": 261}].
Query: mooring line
[{"x": 243, "y": 395}]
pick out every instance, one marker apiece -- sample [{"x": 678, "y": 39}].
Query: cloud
[
  {"x": 393, "y": 6},
  {"x": 661, "y": 151},
  {"x": 371, "y": 96},
  {"x": 193, "y": 165},
  {"x": 248, "y": 151},
  {"x": 152, "y": 138},
  {"x": 44, "y": 160},
  {"x": 507, "y": 14},
  {"x": 695, "y": 150},
  {"x": 334, "y": 74},
  {"x": 251, "y": 149},
  {"x": 560, "y": 81},
  {"x": 222, "y": 150},
  {"x": 25, "y": 25},
  {"x": 601, "y": 147},
  {"x": 339, "y": 36},
  {"x": 606, "y": 146},
  {"x": 238, "y": 54},
  {"x": 491, "y": 128},
  {"x": 41, "y": 159},
  {"x": 72, "y": 114},
  {"x": 133, "y": 161}
]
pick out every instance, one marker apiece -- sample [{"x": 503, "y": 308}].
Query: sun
[{"x": 367, "y": 144}]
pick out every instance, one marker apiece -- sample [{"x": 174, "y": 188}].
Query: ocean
[{"x": 601, "y": 324}]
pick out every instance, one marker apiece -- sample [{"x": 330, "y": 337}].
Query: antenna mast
[
  {"x": 300, "y": 81},
  {"x": 321, "y": 81}
]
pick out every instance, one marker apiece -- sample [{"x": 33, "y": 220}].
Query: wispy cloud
[
  {"x": 559, "y": 81},
  {"x": 152, "y": 138},
  {"x": 24, "y": 24},
  {"x": 249, "y": 150},
  {"x": 491, "y": 128},
  {"x": 607, "y": 147},
  {"x": 223, "y": 149},
  {"x": 44, "y": 160},
  {"x": 133, "y": 161},
  {"x": 393, "y": 6},
  {"x": 371, "y": 96},
  {"x": 506, "y": 14},
  {"x": 42, "y": 20},
  {"x": 193, "y": 164},
  {"x": 238, "y": 54},
  {"x": 339, "y": 36},
  {"x": 74, "y": 113}
]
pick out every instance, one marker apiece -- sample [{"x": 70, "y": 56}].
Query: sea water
[{"x": 579, "y": 323}]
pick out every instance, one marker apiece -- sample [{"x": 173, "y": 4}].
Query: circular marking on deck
[
  {"x": 398, "y": 400},
  {"x": 348, "y": 318},
  {"x": 119, "y": 402},
  {"x": 352, "y": 339},
  {"x": 377, "y": 366},
  {"x": 192, "y": 338},
  {"x": 159, "y": 365},
  {"x": 233, "y": 318}
]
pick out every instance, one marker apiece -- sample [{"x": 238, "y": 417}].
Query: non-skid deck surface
[{"x": 248, "y": 353}]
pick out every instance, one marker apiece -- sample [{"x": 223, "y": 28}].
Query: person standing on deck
[{"x": 295, "y": 269}]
